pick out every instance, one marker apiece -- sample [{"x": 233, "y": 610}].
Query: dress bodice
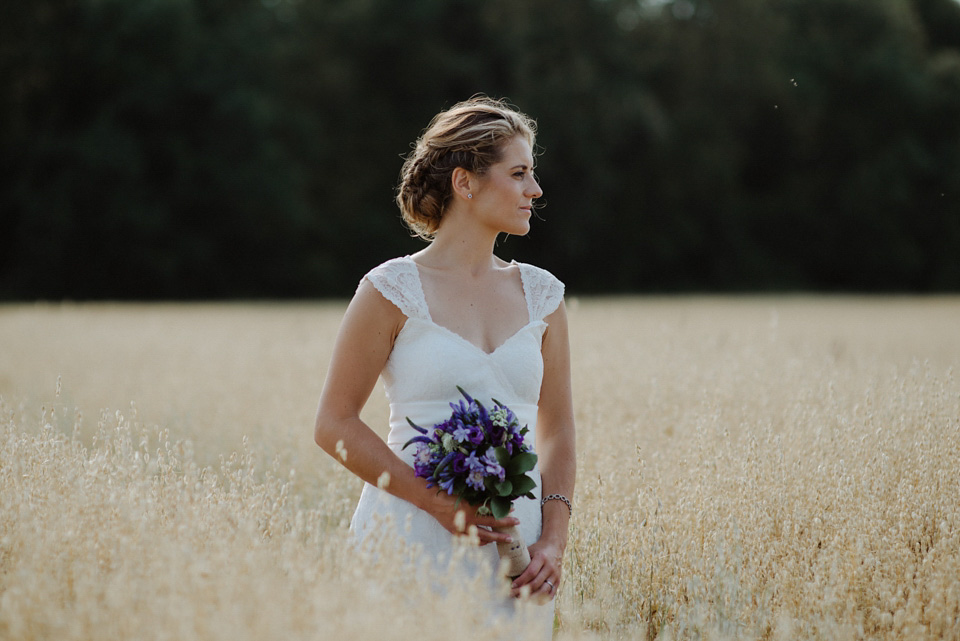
[{"x": 429, "y": 361}]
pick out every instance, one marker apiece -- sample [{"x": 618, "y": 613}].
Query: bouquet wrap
[{"x": 515, "y": 555}]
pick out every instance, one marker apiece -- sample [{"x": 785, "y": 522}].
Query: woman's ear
[{"x": 462, "y": 181}]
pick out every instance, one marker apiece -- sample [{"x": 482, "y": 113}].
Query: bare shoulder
[
  {"x": 557, "y": 331},
  {"x": 558, "y": 316},
  {"x": 371, "y": 314}
]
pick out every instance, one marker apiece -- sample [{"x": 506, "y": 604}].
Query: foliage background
[{"x": 182, "y": 149}]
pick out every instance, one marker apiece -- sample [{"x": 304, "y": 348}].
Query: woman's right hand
[{"x": 462, "y": 519}]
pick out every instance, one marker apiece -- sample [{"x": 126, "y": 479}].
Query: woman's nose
[{"x": 534, "y": 191}]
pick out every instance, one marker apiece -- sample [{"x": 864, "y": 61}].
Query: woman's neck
[{"x": 460, "y": 245}]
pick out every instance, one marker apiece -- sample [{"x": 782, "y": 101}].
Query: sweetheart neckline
[
  {"x": 446, "y": 330},
  {"x": 429, "y": 316}
]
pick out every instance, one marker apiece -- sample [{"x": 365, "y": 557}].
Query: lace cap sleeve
[
  {"x": 544, "y": 291},
  {"x": 399, "y": 282}
]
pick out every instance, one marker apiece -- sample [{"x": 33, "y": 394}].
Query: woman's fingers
[
  {"x": 546, "y": 591},
  {"x": 487, "y": 527},
  {"x": 539, "y": 589},
  {"x": 541, "y": 577},
  {"x": 486, "y": 536},
  {"x": 529, "y": 575},
  {"x": 489, "y": 521},
  {"x": 466, "y": 522}
]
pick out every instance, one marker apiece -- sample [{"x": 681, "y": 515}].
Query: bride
[{"x": 454, "y": 314}]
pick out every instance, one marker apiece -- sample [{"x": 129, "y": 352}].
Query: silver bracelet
[{"x": 557, "y": 497}]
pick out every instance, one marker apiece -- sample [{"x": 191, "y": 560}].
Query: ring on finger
[{"x": 552, "y": 586}]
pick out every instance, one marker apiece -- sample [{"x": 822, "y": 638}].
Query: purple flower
[
  {"x": 423, "y": 455},
  {"x": 476, "y": 435},
  {"x": 461, "y": 410},
  {"x": 460, "y": 463},
  {"x": 461, "y": 433},
  {"x": 475, "y": 479},
  {"x": 473, "y": 462},
  {"x": 447, "y": 484},
  {"x": 492, "y": 466},
  {"x": 423, "y": 460}
]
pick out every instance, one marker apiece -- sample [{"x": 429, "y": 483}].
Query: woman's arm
[
  {"x": 556, "y": 450},
  {"x": 369, "y": 328}
]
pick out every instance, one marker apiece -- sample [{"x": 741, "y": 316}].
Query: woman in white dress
[{"x": 454, "y": 314}]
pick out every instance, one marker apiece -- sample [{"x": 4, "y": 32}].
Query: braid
[{"x": 423, "y": 192}]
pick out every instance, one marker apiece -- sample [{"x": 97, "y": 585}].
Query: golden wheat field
[{"x": 749, "y": 468}]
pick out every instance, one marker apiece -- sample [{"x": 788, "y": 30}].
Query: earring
[{"x": 469, "y": 195}]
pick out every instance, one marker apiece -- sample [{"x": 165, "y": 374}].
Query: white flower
[
  {"x": 448, "y": 442},
  {"x": 499, "y": 417},
  {"x": 423, "y": 454}
]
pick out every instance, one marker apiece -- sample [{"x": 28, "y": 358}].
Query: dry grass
[{"x": 771, "y": 468}]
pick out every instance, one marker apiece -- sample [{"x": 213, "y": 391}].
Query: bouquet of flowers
[{"x": 479, "y": 456}]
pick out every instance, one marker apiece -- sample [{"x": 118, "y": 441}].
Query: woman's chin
[
  {"x": 518, "y": 231},
  {"x": 521, "y": 228}
]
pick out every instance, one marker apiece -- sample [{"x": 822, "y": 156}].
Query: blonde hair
[{"x": 471, "y": 135}]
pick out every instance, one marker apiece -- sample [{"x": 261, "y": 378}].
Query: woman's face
[{"x": 504, "y": 199}]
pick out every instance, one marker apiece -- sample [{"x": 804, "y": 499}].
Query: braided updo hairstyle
[{"x": 471, "y": 135}]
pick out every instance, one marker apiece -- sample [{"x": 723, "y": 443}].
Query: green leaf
[
  {"x": 522, "y": 484},
  {"x": 503, "y": 457},
  {"x": 521, "y": 463},
  {"x": 500, "y": 506},
  {"x": 505, "y": 488}
]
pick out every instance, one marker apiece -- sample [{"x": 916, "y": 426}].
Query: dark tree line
[{"x": 249, "y": 148}]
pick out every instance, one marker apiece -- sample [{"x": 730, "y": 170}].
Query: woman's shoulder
[{"x": 543, "y": 290}]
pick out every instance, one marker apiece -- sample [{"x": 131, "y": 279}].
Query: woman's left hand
[{"x": 543, "y": 574}]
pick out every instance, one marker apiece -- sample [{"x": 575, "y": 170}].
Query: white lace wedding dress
[{"x": 421, "y": 376}]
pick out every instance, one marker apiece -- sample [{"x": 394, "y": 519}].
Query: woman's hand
[
  {"x": 543, "y": 574},
  {"x": 462, "y": 519}
]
